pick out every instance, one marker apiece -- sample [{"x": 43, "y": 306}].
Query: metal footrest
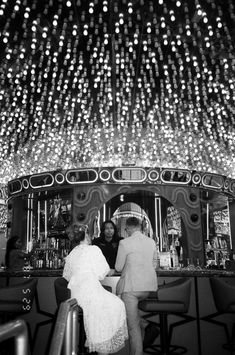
[{"x": 173, "y": 350}]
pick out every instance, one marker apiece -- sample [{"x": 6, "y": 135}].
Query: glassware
[
  {"x": 190, "y": 265},
  {"x": 198, "y": 267}
]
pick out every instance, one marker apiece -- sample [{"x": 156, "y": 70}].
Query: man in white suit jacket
[{"x": 137, "y": 261}]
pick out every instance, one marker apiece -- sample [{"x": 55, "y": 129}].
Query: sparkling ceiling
[{"x": 112, "y": 82}]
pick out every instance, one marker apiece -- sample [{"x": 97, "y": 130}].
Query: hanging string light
[{"x": 87, "y": 83}]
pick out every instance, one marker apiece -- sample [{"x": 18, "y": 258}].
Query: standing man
[{"x": 137, "y": 261}]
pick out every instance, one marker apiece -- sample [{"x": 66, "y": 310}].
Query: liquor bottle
[
  {"x": 181, "y": 257},
  {"x": 158, "y": 257},
  {"x": 171, "y": 255},
  {"x": 177, "y": 245},
  {"x": 174, "y": 257}
]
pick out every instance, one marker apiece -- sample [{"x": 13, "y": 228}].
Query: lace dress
[{"x": 103, "y": 312}]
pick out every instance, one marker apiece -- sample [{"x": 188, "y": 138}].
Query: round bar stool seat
[
  {"x": 224, "y": 298},
  {"x": 172, "y": 298}
]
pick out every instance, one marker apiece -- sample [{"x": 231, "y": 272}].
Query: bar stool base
[
  {"x": 229, "y": 347},
  {"x": 173, "y": 350}
]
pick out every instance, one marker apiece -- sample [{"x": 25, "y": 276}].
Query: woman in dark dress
[
  {"x": 108, "y": 242},
  {"x": 15, "y": 256}
]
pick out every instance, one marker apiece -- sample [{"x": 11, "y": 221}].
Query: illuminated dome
[{"x": 105, "y": 83}]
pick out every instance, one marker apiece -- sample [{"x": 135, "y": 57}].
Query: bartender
[{"x": 108, "y": 242}]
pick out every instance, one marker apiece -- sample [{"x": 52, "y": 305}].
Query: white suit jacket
[{"x": 137, "y": 261}]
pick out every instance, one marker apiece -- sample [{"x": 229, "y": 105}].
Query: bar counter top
[{"x": 160, "y": 272}]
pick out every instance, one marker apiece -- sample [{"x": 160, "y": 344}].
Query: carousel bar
[
  {"x": 111, "y": 109},
  {"x": 190, "y": 221}
]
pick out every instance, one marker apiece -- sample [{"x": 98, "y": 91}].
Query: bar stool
[
  {"x": 17, "y": 299},
  {"x": 224, "y": 298},
  {"x": 172, "y": 298},
  {"x": 16, "y": 332},
  {"x": 62, "y": 293}
]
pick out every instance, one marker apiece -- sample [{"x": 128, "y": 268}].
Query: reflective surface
[
  {"x": 81, "y": 176},
  {"x": 128, "y": 174},
  {"x": 210, "y": 180},
  {"x": 176, "y": 176},
  {"x": 41, "y": 180}
]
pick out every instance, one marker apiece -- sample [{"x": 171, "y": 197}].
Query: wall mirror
[
  {"x": 81, "y": 176},
  {"x": 129, "y": 175},
  {"x": 41, "y": 180},
  {"x": 232, "y": 187},
  {"x": 176, "y": 176},
  {"x": 14, "y": 186},
  {"x": 216, "y": 225},
  {"x": 215, "y": 181}
]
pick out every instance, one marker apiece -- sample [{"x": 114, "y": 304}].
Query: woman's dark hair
[
  {"x": 11, "y": 244},
  {"x": 102, "y": 228}
]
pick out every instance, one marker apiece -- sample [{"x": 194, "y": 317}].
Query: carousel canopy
[{"x": 113, "y": 82}]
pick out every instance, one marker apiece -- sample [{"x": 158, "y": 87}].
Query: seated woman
[
  {"x": 15, "y": 256},
  {"x": 104, "y": 313},
  {"x": 108, "y": 242}
]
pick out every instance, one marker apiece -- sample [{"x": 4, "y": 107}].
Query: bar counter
[
  {"x": 199, "y": 336},
  {"x": 160, "y": 272}
]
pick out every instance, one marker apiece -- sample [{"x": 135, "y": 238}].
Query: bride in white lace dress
[{"x": 103, "y": 312}]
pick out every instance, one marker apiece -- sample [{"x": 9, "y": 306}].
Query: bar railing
[
  {"x": 16, "y": 329},
  {"x": 66, "y": 332}
]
